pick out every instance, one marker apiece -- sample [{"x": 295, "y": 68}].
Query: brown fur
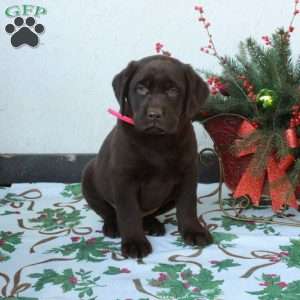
[{"x": 144, "y": 170}]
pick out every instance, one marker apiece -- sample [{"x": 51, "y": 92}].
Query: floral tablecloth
[{"x": 52, "y": 247}]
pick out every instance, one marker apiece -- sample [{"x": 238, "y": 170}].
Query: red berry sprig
[
  {"x": 248, "y": 87},
  {"x": 267, "y": 40},
  {"x": 296, "y": 12},
  {"x": 210, "y": 49},
  {"x": 295, "y": 119},
  {"x": 291, "y": 27},
  {"x": 216, "y": 86},
  {"x": 159, "y": 49}
]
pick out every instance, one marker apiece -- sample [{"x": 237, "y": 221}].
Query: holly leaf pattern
[
  {"x": 115, "y": 271},
  {"x": 53, "y": 219},
  {"x": 72, "y": 191},
  {"x": 224, "y": 264},
  {"x": 59, "y": 250},
  {"x": 222, "y": 238},
  {"x": 179, "y": 282},
  {"x": 81, "y": 281},
  {"x": 92, "y": 249},
  {"x": 8, "y": 243},
  {"x": 293, "y": 253},
  {"x": 276, "y": 289},
  {"x": 179, "y": 242},
  {"x": 229, "y": 223}
]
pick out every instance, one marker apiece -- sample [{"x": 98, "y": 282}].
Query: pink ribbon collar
[{"x": 121, "y": 117}]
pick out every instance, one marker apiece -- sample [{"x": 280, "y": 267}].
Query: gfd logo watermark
[{"x": 25, "y": 30}]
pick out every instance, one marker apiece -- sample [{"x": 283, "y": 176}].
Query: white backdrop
[{"x": 53, "y": 98}]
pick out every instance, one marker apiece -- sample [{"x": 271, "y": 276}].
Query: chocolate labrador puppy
[{"x": 146, "y": 169}]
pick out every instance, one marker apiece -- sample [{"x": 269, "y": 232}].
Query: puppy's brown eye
[
  {"x": 142, "y": 90},
  {"x": 172, "y": 92}
]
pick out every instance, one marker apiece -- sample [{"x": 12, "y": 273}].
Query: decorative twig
[
  {"x": 210, "y": 49},
  {"x": 159, "y": 49},
  {"x": 295, "y": 13},
  {"x": 266, "y": 39}
]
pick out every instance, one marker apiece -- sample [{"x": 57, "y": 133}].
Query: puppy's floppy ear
[
  {"x": 121, "y": 83},
  {"x": 196, "y": 94}
]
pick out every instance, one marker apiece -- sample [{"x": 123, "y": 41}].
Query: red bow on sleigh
[{"x": 280, "y": 186}]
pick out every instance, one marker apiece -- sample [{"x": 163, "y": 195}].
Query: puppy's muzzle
[
  {"x": 154, "y": 114},
  {"x": 154, "y": 117}
]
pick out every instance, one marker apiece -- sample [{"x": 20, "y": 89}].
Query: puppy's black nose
[{"x": 154, "y": 113}]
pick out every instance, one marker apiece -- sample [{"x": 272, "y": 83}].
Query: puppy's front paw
[
  {"x": 136, "y": 248},
  {"x": 199, "y": 236}
]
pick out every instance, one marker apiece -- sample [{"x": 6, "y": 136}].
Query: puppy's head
[{"x": 158, "y": 92}]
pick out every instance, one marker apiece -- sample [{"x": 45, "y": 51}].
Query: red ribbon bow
[{"x": 280, "y": 186}]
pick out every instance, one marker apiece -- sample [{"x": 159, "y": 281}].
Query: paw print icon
[{"x": 24, "y": 32}]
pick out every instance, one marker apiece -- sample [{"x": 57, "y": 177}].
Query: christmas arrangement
[{"x": 253, "y": 115}]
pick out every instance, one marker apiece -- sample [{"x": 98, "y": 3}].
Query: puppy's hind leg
[{"x": 98, "y": 203}]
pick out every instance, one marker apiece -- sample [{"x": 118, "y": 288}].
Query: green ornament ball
[{"x": 266, "y": 100}]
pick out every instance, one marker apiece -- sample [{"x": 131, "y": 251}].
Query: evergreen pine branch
[
  {"x": 250, "y": 71},
  {"x": 232, "y": 70},
  {"x": 220, "y": 104},
  {"x": 281, "y": 48},
  {"x": 264, "y": 61},
  {"x": 297, "y": 72}
]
